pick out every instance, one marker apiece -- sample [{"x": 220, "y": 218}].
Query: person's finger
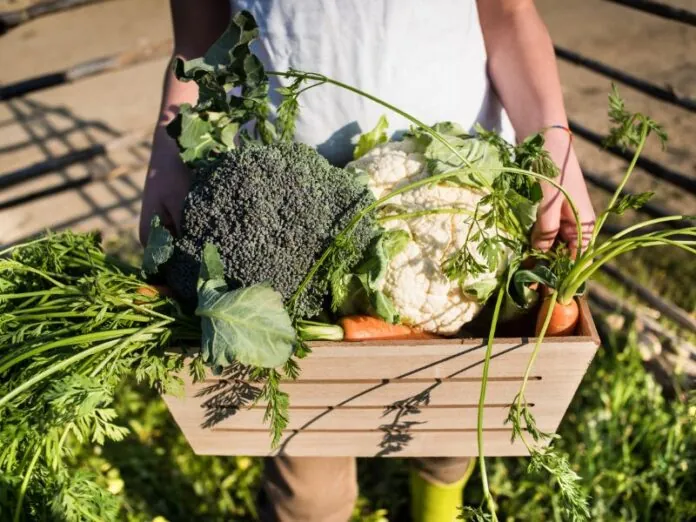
[
  {"x": 569, "y": 233},
  {"x": 546, "y": 227},
  {"x": 586, "y": 214}
]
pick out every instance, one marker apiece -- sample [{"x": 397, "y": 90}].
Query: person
[{"x": 489, "y": 62}]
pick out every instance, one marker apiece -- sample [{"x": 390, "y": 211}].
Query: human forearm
[
  {"x": 522, "y": 65},
  {"x": 523, "y": 71},
  {"x": 195, "y": 25}
]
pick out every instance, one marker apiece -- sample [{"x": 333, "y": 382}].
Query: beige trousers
[{"x": 324, "y": 489}]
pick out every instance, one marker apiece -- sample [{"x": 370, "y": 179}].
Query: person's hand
[
  {"x": 555, "y": 219},
  {"x": 167, "y": 183}
]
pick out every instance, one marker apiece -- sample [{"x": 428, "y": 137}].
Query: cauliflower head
[{"x": 421, "y": 293}]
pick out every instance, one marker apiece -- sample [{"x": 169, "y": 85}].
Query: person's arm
[
  {"x": 523, "y": 70},
  {"x": 196, "y": 25}
]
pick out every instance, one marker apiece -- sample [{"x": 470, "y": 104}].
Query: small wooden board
[{"x": 403, "y": 399}]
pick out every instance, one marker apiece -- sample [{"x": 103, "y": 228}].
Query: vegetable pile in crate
[{"x": 338, "y": 307}]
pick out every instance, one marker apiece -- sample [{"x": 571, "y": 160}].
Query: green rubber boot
[{"x": 436, "y": 502}]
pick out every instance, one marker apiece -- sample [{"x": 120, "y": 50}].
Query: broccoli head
[{"x": 271, "y": 210}]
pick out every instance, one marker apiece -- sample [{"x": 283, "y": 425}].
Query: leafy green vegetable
[
  {"x": 159, "y": 247},
  {"x": 373, "y": 138},
  {"x": 358, "y": 292},
  {"x": 73, "y": 325},
  {"x": 288, "y": 109},
  {"x": 249, "y": 325},
  {"x": 479, "y": 153},
  {"x": 207, "y": 129},
  {"x": 211, "y": 265},
  {"x": 481, "y": 290}
]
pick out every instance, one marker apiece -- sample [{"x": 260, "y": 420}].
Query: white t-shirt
[{"x": 426, "y": 57}]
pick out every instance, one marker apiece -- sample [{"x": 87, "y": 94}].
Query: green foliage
[
  {"x": 358, "y": 291},
  {"x": 288, "y": 110},
  {"x": 159, "y": 247},
  {"x": 630, "y": 201},
  {"x": 632, "y": 447},
  {"x": 373, "y": 138},
  {"x": 249, "y": 325},
  {"x": 208, "y": 129},
  {"x": 479, "y": 153},
  {"x": 74, "y": 325},
  {"x": 629, "y": 129}
]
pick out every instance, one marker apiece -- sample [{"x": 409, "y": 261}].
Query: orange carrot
[
  {"x": 151, "y": 291},
  {"x": 368, "y": 328},
  {"x": 564, "y": 318}
]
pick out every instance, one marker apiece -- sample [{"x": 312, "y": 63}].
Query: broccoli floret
[{"x": 271, "y": 210}]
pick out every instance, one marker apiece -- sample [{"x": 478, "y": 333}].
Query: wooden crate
[{"x": 413, "y": 398}]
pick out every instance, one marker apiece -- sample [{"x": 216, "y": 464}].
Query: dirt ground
[{"x": 100, "y": 109}]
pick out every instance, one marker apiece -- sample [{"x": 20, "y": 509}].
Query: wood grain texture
[
  {"x": 358, "y": 444},
  {"x": 413, "y": 398}
]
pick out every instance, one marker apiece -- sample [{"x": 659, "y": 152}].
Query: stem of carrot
[
  {"x": 25, "y": 483},
  {"x": 542, "y": 333},
  {"x": 482, "y": 400},
  {"x": 645, "y": 129}
]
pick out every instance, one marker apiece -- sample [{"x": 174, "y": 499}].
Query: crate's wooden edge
[
  {"x": 366, "y": 445},
  {"x": 587, "y": 326}
]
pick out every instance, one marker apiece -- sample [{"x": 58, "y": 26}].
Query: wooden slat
[
  {"x": 192, "y": 417},
  {"x": 379, "y": 394},
  {"x": 439, "y": 360},
  {"x": 360, "y": 444}
]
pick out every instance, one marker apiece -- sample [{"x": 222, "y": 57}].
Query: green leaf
[
  {"x": 539, "y": 274},
  {"x": 382, "y": 307},
  {"x": 372, "y": 139},
  {"x": 483, "y": 156},
  {"x": 629, "y": 201},
  {"x": 359, "y": 292},
  {"x": 519, "y": 298},
  {"x": 628, "y": 127},
  {"x": 287, "y": 112},
  {"x": 223, "y": 54},
  {"x": 249, "y": 325},
  {"x": 524, "y": 209},
  {"x": 211, "y": 126},
  {"x": 228, "y": 134},
  {"x": 160, "y": 246},
  {"x": 211, "y": 264},
  {"x": 481, "y": 290},
  {"x": 382, "y": 250}
]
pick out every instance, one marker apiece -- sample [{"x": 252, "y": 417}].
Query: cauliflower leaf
[
  {"x": 360, "y": 291},
  {"x": 372, "y": 139},
  {"x": 484, "y": 156}
]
